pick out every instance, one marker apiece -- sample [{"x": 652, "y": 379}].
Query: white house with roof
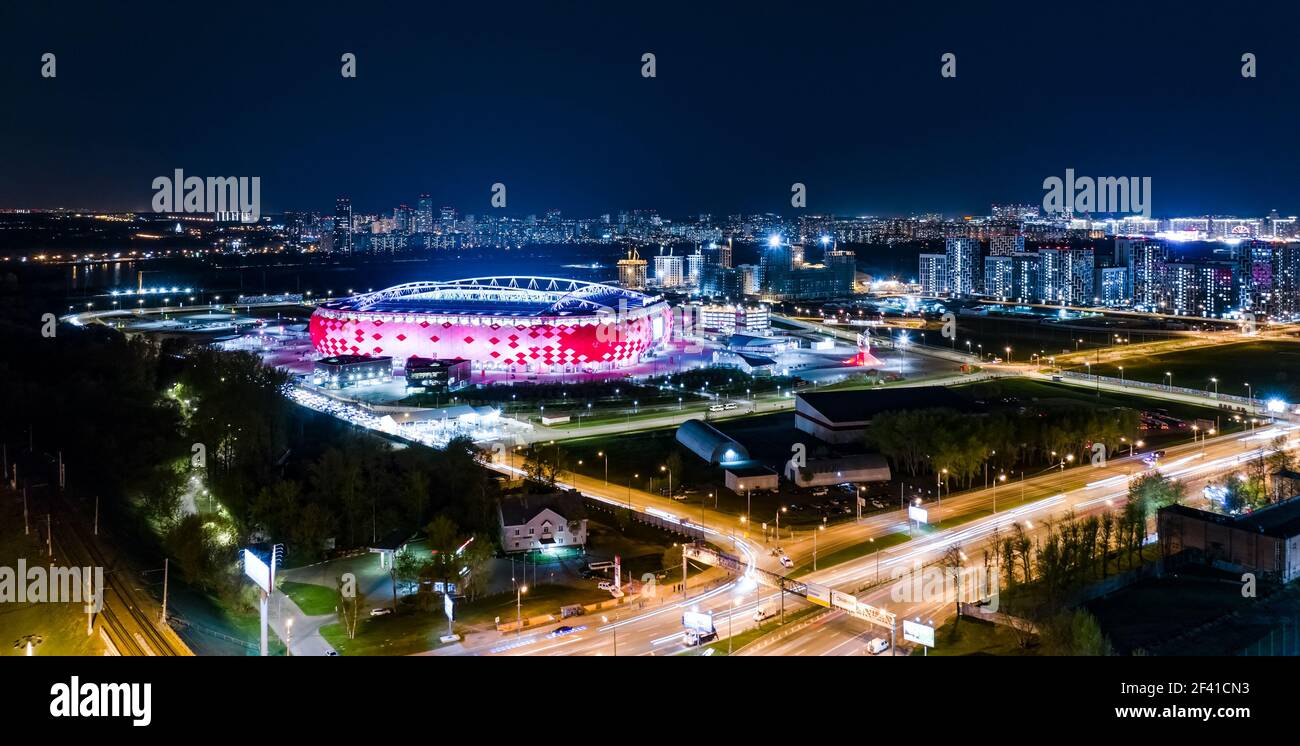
[{"x": 542, "y": 522}]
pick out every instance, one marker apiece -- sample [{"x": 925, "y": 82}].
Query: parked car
[{"x": 381, "y": 611}]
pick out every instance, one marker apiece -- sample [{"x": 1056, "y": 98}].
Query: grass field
[
  {"x": 397, "y": 634},
  {"x": 314, "y": 600},
  {"x": 967, "y": 636},
  {"x": 1271, "y": 367}
]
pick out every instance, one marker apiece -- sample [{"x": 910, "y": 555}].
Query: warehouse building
[
  {"x": 1266, "y": 541},
  {"x": 870, "y": 467},
  {"x": 710, "y": 443},
  {"x": 843, "y": 416}
]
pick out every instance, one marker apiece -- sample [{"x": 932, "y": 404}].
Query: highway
[
  {"x": 1194, "y": 464},
  {"x": 1041, "y": 498}
]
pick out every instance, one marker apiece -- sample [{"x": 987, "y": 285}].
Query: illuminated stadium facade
[{"x": 517, "y": 324}]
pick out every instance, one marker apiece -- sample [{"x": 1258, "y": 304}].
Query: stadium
[{"x": 516, "y": 324}]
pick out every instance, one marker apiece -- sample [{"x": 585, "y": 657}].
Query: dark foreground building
[{"x": 1266, "y": 542}]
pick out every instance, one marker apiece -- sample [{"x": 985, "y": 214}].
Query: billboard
[
  {"x": 698, "y": 621},
  {"x": 918, "y": 633},
  {"x": 843, "y": 601},
  {"x": 819, "y": 594},
  {"x": 917, "y": 514},
  {"x": 257, "y": 570}
]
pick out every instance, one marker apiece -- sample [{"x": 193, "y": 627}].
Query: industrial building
[
  {"x": 1266, "y": 541},
  {"x": 710, "y": 443},
  {"x": 343, "y": 371},
  {"x": 870, "y": 467},
  {"x": 442, "y": 376},
  {"x": 843, "y": 416}
]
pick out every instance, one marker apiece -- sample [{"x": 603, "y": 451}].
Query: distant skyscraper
[
  {"x": 1006, "y": 245},
  {"x": 1066, "y": 276},
  {"x": 670, "y": 270},
  {"x": 749, "y": 276},
  {"x": 1025, "y": 271},
  {"x": 998, "y": 273},
  {"x": 343, "y": 225},
  {"x": 1014, "y": 212},
  {"x": 1146, "y": 262},
  {"x": 932, "y": 274},
  {"x": 424, "y": 215},
  {"x": 1111, "y": 286},
  {"x": 693, "y": 264},
  {"x": 632, "y": 271},
  {"x": 963, "y": 266},
  {"x": 448, "y": 219},
  {"x": 1200, "y": 289}
]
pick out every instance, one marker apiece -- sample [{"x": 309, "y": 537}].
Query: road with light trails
[
  {"x": 652, "y": 630},
  {"x": 842, "y": 634}
]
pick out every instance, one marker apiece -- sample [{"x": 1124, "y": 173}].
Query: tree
[
  {"x": 1073, "y": 633},
  {"x": 542, "y": 467},
  {"x": 309, "y": 533},
  {"x": 351, "y": 602},
  {"x": 160, "y": 498},
  {"x": 190, "y": 546},
  {"x": 1106, "y": 533},
  {"x": 444, "y": 538}
]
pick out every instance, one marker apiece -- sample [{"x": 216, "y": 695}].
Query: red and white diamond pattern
[{"x": 505, "y": 344}]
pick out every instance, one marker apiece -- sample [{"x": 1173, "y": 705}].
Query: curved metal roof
[{"x": 515, "y": 295}]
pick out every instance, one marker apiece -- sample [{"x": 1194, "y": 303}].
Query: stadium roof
[{"x": 498, "y": 296}]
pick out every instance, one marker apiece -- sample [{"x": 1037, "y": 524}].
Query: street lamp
[
  {"x": 602, "y": 454},
  {"x": 520, "y": 590},
  {"x": 1169, "y": 377},
  {"x": 1001, "y": 478},
  {"x": 670, "y": 479},
  {"x": 1215, "y": 381},
  {"x": 821, "y": 527},
  {"x": 778, "y": 524}
]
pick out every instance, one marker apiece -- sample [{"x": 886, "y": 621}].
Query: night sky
[{"x": 548, "y": 99}]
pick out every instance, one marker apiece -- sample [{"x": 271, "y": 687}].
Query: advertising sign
[
  {"x": 819, "y": 594},
  {"x": 698, "y": 621},
  {"x": 257, "y": 570},
  {"x": 917, "y": 514},
  {"x": 918, "y": 633}
]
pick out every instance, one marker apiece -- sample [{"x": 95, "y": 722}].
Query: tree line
[{"x": 919, "y": 441}]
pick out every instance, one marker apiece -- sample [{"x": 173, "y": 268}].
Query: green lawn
[
  {"x": 967, "y": 636},
  {"x": 404, "y": 633},
  {"x": 1272, "y": 367},
  {"x": 314, "y": 600},
  {"x": 543, "y": 598}
]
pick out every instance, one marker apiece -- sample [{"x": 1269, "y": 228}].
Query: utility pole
[
  {"x": 49, "y": 537},
  {"x": 685, "y": 595},
  {"x": 96, "y": 515},
  {"x": 166, "y": 567},
  {"x": 26, "y": 529}
]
